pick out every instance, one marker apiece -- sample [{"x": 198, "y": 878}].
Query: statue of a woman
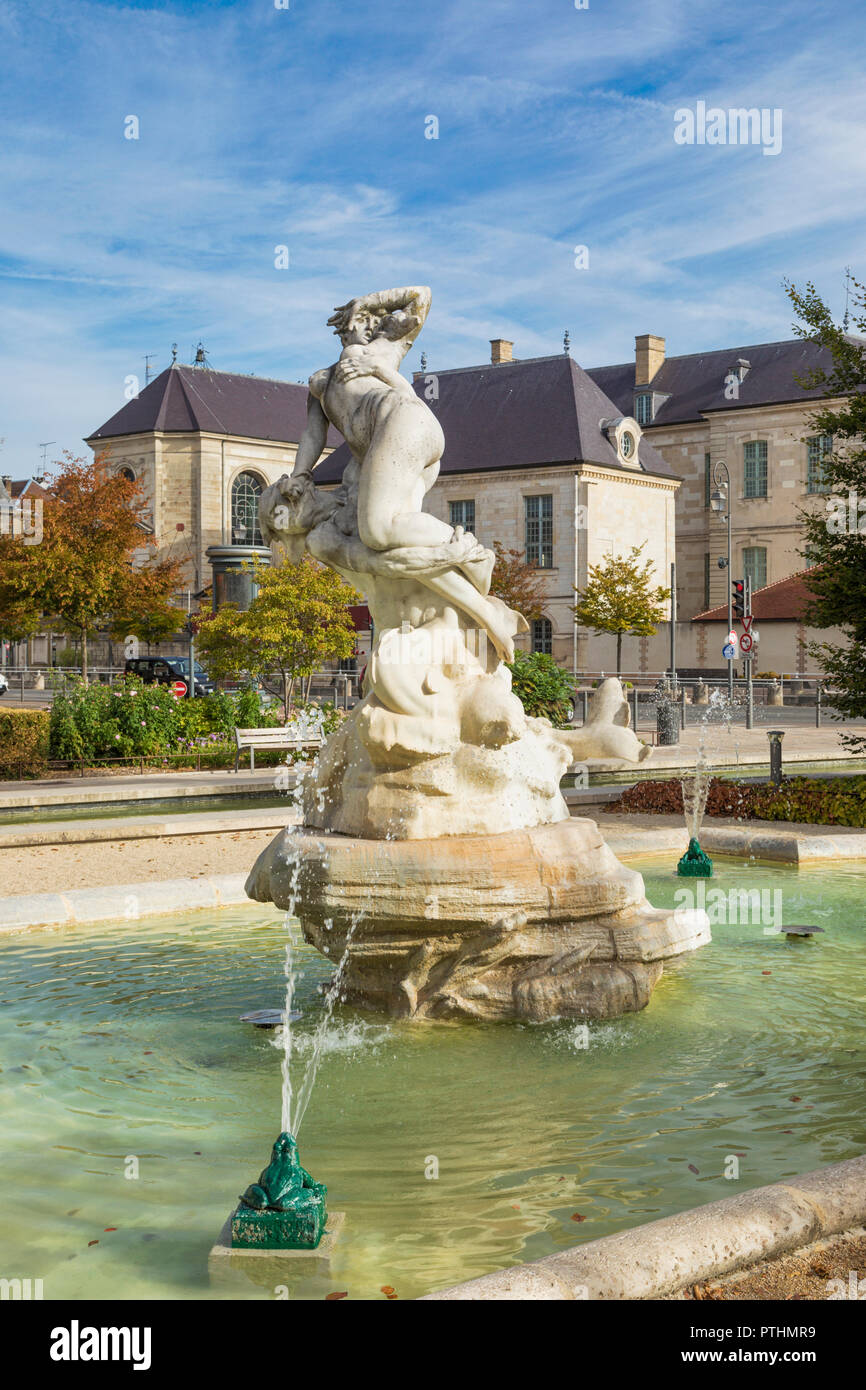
[{"x": 396, "y": 444}]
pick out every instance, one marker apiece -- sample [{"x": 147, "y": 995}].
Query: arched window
[
  {"x": 542, "y": 636},
  {"x": 246, "y": 491},
  {"x": 126, "y": 473}
]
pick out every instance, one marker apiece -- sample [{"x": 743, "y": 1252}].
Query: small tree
[
  {"x": 93, "y": 560},
  {"x": 298, "y": 620},
  {"x": 518, "y": 584},
  {"x": 835, "y": 535},
  {"x": 620, "y": 597}
]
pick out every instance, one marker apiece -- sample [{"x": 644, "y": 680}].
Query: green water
[{"x": 125, "y": 1042}]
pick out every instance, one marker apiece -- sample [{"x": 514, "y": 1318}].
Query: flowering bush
[{"x": 130, "y": 719}]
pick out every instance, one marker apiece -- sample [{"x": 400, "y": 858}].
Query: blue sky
[{"x": 305, "y": 127}]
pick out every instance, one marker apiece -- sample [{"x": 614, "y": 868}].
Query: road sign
[
  {"x": 745, "y": 642},
  {"x": 729, "y": 651},
  {"x": 178, "y": 689}
]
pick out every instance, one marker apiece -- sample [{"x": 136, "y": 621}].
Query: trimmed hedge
[
  {"x": 813, "y": 801},
  {"x": 23, "y": 742}
]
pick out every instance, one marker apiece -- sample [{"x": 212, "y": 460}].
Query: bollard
[
  {"x": 775, "y": 736},
  {"x": 667, "y": 723}
]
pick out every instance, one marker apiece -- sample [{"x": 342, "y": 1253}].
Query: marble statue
[
  {"x": 439, "y": 755},
  {"x": 439, "y": 740}
]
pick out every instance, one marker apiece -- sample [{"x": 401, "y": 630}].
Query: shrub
[
  {"x": 813, "y": 801},
  {"x": 543, "y": 688},
  {"x": 23, "y": 742}
]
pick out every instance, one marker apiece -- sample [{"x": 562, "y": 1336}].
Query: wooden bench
[{"x": 269, "y": 738}]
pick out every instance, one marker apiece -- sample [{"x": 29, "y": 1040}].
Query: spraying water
[{"x": 332, "y": 994}]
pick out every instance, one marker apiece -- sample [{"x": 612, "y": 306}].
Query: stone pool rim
[{"x": 665, "y": 1256}]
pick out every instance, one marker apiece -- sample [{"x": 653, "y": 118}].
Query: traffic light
[{"x": 738, "y": 589}]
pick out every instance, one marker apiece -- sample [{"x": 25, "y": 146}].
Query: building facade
[
  {"x": 745, "y": 407},
  {"x": 568, "y": 466}
]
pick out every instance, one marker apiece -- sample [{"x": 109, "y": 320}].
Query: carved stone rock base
[{"x": 532, "y": 924}]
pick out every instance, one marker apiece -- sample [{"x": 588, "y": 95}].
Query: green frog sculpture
[
  {"x": 695, "y": 863},
  {"x": 285, "y": 1209}
]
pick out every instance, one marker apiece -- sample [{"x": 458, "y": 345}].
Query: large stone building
[
  {"x": 203, "y": 446},
  {"x": 743, "y": 406},
  {"x": 565, "y": 464},
  {"x": 536, "y": 457}
]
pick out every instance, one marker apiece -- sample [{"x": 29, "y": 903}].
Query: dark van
[{"x": 165, "y": 670}]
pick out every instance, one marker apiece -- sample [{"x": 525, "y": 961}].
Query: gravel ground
[
  {"x": 54, "y": 868},
  {"x": 806, "y": 1274}
]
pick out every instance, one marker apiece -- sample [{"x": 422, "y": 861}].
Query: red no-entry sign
[{"x": 178, "y": 689}]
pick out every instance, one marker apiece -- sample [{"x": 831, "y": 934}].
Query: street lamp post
[{"x": 720, "y": 501}]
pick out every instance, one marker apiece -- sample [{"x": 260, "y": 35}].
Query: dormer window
[
  {"x": 624, "y": 434},
  {"x": 643, "y": 408}
]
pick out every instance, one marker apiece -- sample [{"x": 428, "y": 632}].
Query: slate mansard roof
[
  {"x": 184, "y": 400},
  {"x": 527, "y": 414},
  {"x": 513, "y": 415},
  {"x": 695, "y": 384}
]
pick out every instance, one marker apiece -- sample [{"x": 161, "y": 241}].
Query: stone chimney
[
  {"x": 500, "y": 350},
  {"x": 649, "y": 356},
  {"x": 7, "y": 483}
]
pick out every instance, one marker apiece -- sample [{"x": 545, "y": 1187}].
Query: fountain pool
[{"x": 126, "y": 1041}]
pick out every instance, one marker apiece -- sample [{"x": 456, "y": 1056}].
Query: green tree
[
  {"x": 835, "y": 534},
  {"x": 620, "y": 597},
  {"x": 298, "y": 620}
]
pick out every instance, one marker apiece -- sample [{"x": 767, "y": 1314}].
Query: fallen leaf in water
[
  {"x": 92, "y": 1242},
  {"x": 693, "y": 1169},
  {"x": 576, "y": 1216},
  {"x": 330, "y": 1297},
  {"x": 110, "y": 1228},
  {"x": 795, "y": 1097},
  {"x": 386, "y": 1288},
  {"x": 391, "y": 1297},
  {"x": 766, "y": 972},
  {"x": 515, "y": 1206}
]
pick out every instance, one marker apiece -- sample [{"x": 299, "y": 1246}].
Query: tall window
[
  {"x": 542, "y": 636},
  {"x": 246, "y": 491},
  {"x": 755, "y": 566},
  {"x": 538, "y": 517},
  {"x": 706, "y": 580},
  {"x": 755, "y": 468},
  {"x": 643, "y": 408},
  {"x": 708, "y": 479},
  {"x": 817, "y": 448},
  {"x": 463, "y": 514}
]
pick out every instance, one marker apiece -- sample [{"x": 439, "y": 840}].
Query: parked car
[
  {"x": 165, "y": 670},
  {"x": 4, "y": 684}
]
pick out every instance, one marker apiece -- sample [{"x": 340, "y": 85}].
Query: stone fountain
[{"x": 436, "y": 842}]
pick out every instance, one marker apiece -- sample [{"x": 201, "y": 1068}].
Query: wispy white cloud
[{"x": 306, "y": 127}]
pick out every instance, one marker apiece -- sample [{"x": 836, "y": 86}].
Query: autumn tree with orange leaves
[{"x": 95, "y": 566}]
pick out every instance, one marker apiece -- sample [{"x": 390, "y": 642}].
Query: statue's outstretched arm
[{"x": 313, "y": 439}]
